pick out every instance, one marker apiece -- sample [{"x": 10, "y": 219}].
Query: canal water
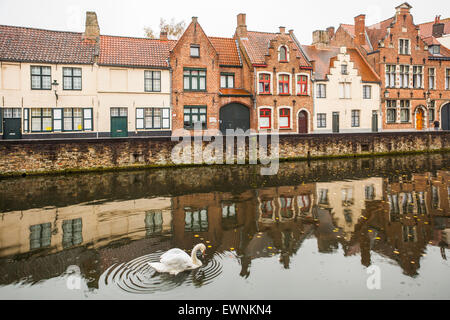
[{"x": 374, "y": 228}]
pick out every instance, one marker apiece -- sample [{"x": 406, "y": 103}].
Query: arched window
[{"x": 283, "y": 54}]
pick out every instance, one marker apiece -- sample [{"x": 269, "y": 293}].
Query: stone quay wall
[{"x": 53, "y": 156}]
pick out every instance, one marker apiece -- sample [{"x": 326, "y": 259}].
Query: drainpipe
[
  {"x": 170, "y": 95},
  {"x": 255, "y": 94}
]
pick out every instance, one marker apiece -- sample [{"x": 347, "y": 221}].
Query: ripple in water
[{"x": 137, "y": 277}]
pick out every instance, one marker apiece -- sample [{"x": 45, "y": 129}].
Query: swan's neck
[{"x": 194, "y": 256}]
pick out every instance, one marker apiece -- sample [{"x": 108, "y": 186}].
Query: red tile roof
[
  {"x": 257, "y": 47},
  {"x": 36, "y": 45},
  {"x": 228, "y": 51},
  {"x": 426, "y": 29},
  {"x": 134, "y": 52}
]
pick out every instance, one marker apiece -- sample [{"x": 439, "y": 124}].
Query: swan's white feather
[{"x": 175, "y": 261}]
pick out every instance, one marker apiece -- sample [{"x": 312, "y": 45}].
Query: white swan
[{"x": 175, "y": 261}]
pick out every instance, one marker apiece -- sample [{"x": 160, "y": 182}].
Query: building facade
[
  {"x": 280, "y": 75},
  {"x": 413, "y": 67},
  {"x": 57, "y": 84},
  {"x": 347, "y": 91}
]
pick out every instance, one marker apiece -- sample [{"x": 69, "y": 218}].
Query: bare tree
[{"x": 174, "y": 29}]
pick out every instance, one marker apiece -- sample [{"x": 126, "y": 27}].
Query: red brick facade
[{"x": 381, "y": 44}]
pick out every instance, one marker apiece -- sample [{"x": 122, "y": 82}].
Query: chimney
[
  {"x": 330, "y": 31},
  {"x": 241, "y": 29},
  {"x": 195, "y": 19},
  {"x": 438, "y": 27},
  {"x": 320, "y": 38},
  {"x": 282, "y": 30},
  {"x": 163, "y": 35},
  {"x": 92, "y": 31},
  {"x": 360, "y": 30}
]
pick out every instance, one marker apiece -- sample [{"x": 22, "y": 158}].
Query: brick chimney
[
  {"x": 92, "y": 31},
  {"x": 320, "y": 38},
  {"x": 282, "y": 30},
  {"x": 195, "y": 19},
  {"x": 163, "y": 35},
  {"x": 330, "y": 31},
  {"x": 438, "y": 27},
  {"x": 241, "y": 29},
  {"x": 360, "y": 30}
]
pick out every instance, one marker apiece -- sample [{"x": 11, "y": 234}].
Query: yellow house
[{"x": 57, "y": 84}]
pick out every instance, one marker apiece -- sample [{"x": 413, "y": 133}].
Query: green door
[
  {"x": 374, "y": 121},
  {"x": 12, "y": 123},
  {"x": 119, "y": 122},
  {"x": 335, "y": 122}
]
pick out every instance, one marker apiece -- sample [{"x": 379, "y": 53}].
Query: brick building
[
  {"x": 279, "y": 75},
  {"x": 414, "y": 67},
  {"x": 208, "y": 82}
]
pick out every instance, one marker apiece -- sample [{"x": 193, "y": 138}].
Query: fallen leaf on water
[
  {"x": 196, "y": 236},
  {"x": 396, "y": 252}
]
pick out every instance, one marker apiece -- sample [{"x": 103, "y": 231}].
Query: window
[
  {"x": 265, "y": 119},
  {"x": 285, "y": 118},
  {"x": 323, "y": 196},
  {"x": 152, "y": 81},
  {"x": 403, "y": 46},
  {"x": 229, "y": 216},
  {"x": 344, "y": 90},
  {"x": 41, "y": 78},
  {"x": 72, "y": 233},
  {"x": 447, "y": 79},
  {"x": 195, "y": 79},
  {"x": 195, "y": 220},
  {"x": 195, "y": 51},
  {"x": 193, "y": 115},
  {"x": 302, "y": 85},
  {"x": 41, "y": 120},
  {"x": 283, "y": 84},
  {"x": 152, "y": 118},
  {"x": 283, "y": 54},
  {"x": 367, "y": 92},
  {"x": 73, "y": 119},
  {"x": 436, "y": 49},
  {"x": 355, "y": 118},
  {"x": 119, "y": 112},
  {"x": 321, "y": 91},
  {"x": 390, "y": 76},
  {"x": 40, "y": 236},
  {"x": 153, "y": 223},
  {"x": 404, "y": 111},
  {"x": 391, "y": 111},
  {"x": 344, "y": 69},
  {"x": 321, "y": 120},
  {"x": 264, "y": 84},
  {"x": 286, "y": 207},
  {"x": 369, "y": 192},
  {"x": 404, "y": 76},
  {"x": 432, "y": 78},
  {"x": 227, "y": 80},
  {"x": 431, "y": 112},
  {"x": 417, "y": 76},
  {"x": 71, "y": 78},
  {"x": 266, "y": 209}
]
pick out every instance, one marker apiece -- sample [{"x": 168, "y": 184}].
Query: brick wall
[{"x": 84, "y": 154}]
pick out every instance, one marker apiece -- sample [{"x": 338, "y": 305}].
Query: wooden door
[{"x": 303, "y": 122}]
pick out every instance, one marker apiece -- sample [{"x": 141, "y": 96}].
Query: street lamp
[{"x": 55, "y": 85}]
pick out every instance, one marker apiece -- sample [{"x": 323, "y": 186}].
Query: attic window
[
  {"x": 283, "y": 54},
  {"x": 344, "y": 69},
  {"x": 195, "y": 51},
  {"x": 436, "y": 49}
]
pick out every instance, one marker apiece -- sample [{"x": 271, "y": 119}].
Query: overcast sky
[{"x": 218, "y": 18}]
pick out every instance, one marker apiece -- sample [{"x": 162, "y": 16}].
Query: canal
[{"x": 375, "y": 228}]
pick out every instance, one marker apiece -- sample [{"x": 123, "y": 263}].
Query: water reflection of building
[
  {"x": 90, "y": 224},
  {"x": 256, "y": 223}
]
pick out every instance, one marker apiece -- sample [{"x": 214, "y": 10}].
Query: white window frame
[
  {"x": 349, "y": 84},
  {"x": 287, "y": 53},
  {"x": 409, "y": 46},
  {"x": 317, "y": 90}
]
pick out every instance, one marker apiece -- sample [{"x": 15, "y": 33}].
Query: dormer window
[
  {"x": 436, "y": 49},
  {"x": 283, "y": 54},
  {"x": 195, "y": 51}
]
